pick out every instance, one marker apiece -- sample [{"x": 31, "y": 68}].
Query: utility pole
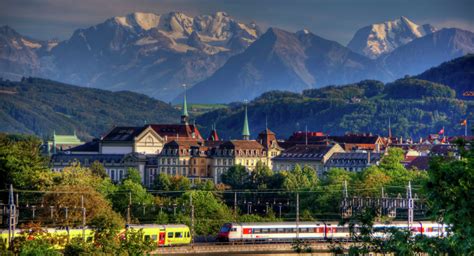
[
  {"x": 346, "y": 194},
  {"x": 192, "y": 219},
  {"x": 297, "y": 215},
  {"x": 83, "y": 218},
  {"x": 33, "y": 208},
  {"x": 306, "y": 135},
  {"x": 279, "y": 209},
  {"x": 235, "y": 205},
  {"x": 11, "y": 217},
  {"x": 410, "y": 206},
  {"x": 128, "y": 208}
]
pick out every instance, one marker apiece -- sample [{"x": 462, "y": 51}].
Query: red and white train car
[{"x": 273, "y": 231}]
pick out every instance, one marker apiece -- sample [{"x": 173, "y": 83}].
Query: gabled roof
[
  {"x": 67, "y": 139},
  {"x": 213, "y": 136},
  {"x": 267, "y": 138},
  {"x": 123, "y": 133},
  {"x": 91, "y": 146},
  {"x": 177, "y": 131},
  {"x": 305, "y": 152},
  {"x": 182, "y": 144},
  {"x": 420, "y": 163},
  {"x": 241, "y": 144}
]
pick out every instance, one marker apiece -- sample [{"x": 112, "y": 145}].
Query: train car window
[
  {"x": 147, "y": 238},
  {"x": 233, "y": 229},
  {"x": 178, "y": 234},
  {"x": 154, "y": 237},
  {"x": 264, "y": 230},
  {"x": 273, "y": 230},
  {"x": 293, "y": 230},
  {"x": 257, "y": 231},
  {"x": 379, "y": 229},
  {"x": 281, "y": 230},
  {"x": 344, "y": 230},
  {"x": 170, "y": 234},
  {"x": 225, "y": 228}
]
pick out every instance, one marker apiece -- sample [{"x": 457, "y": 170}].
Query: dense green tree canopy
[
  {"x": 361, "y": 107},
  {"x": 21, "y": 162}
]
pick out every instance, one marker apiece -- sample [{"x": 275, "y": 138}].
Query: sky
[{"x": 333, "y": 19}]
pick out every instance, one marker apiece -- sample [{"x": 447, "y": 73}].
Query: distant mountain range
[
  {"x": 416, "y": 107},
  {"x": 382, "y": 38},
  {"x": 221, "y": 59},
  {"x": 280, "y": 60},
  {"x": 143, "y": 52}
]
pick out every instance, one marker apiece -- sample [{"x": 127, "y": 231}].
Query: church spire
[
  {"x": 245, "y": 130},
  {"x": 184, "y": 115}
]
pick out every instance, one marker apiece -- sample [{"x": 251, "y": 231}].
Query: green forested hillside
[
  {"x": 39, "y": 106},
  {"x": 415, "y": 108},
  {"x": 458, "y": 74}
]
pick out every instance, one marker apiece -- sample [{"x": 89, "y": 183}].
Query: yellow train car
[
  {"x": 62, "y": 236},
  {"x": 4, "y": 237},
  {"x": 165, "y": 235}
]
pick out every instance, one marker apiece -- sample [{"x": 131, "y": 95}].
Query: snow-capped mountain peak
[
  {"x": 381, "y": 38},
  {"x": 145, "y": 21},
  {"x": 217, "y": 29}
]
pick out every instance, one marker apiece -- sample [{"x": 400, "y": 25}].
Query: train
[
  {"x": 274, "y": 231},
  {"x": 162, "y": 235}
]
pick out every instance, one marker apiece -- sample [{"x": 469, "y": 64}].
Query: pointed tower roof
[
  {"x": 213, "y": 135},
  {"x": 184, "y": 114},
  {"x": 185, "y": 106},
  {"x": 246, "y": 130}
]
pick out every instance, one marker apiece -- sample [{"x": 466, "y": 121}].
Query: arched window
[{"x": 149, "y": 141}]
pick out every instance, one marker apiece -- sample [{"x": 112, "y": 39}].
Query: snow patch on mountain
[
  {"x": 382, "y": 38},
  {"x": 30, "y": 44},
  {"x": 146, "y": 20},
  {"x": 214, "y": 33}
]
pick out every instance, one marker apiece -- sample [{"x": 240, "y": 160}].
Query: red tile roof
[{"x": 177, "y": 131}]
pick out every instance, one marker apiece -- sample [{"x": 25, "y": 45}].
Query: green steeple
[
  {"x": 245, "y": 130},
  {"x": 184, "y": 115},
  {"x": 185, "y": 106}
]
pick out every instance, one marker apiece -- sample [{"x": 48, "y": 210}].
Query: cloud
[{"x": 453, "y": 23}]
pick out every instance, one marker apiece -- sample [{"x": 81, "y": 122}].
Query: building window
[
  {"x": 112, "y": 175},
  {"x": 149, "y": 141}
]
